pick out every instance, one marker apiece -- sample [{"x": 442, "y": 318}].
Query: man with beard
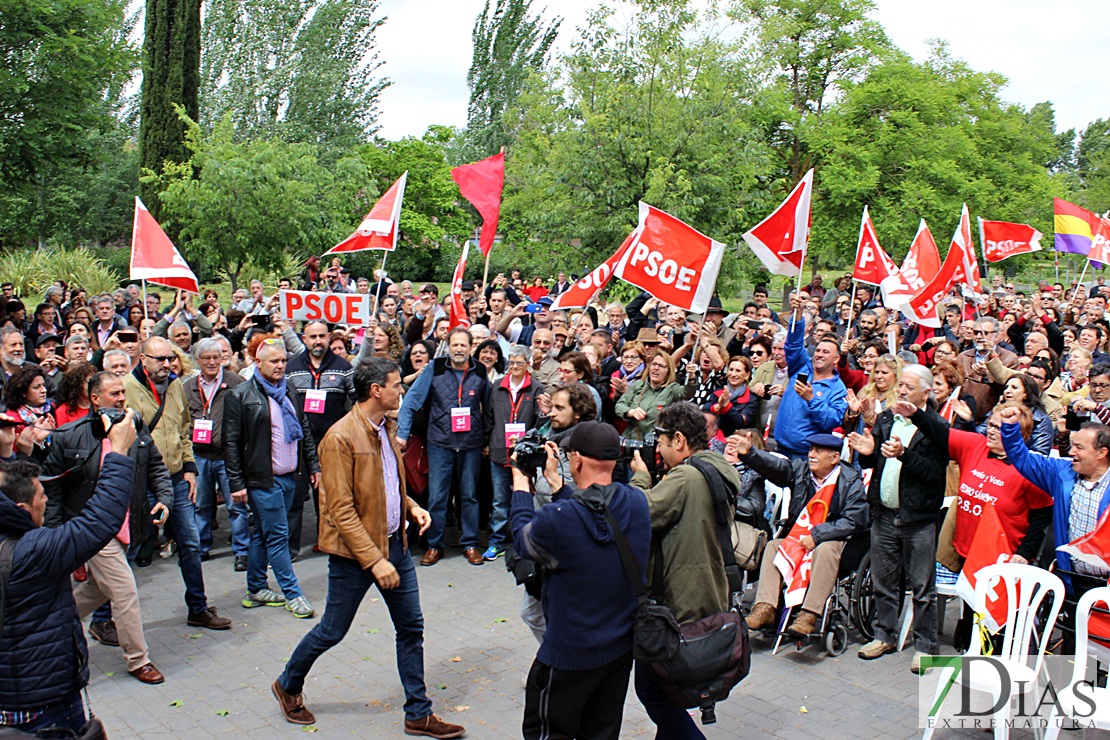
[{"x": 325, "y": 392}]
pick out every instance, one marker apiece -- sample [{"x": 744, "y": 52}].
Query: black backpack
[{"x": 696, "y": 664}]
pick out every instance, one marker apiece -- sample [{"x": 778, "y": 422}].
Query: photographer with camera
[
  {"x": 43, "y": 655},
  {"x": 73, "y": 467},
  {"x": 578, "y": 681},
  {"x": 684, "y": 516},
  {"x": 565, "y": 408}
]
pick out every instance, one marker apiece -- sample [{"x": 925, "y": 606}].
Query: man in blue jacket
[
  {"x": 453, "y": 391},
  {"x": 43, "y": 654},
  {"x": 817, "y": 405},
  {"x": 1079, "y": 487},
  {"x": 578, "y": 682}
]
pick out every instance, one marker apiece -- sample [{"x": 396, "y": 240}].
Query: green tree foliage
[
  {"x": 917, "y": 141},
  {"x": 235, "y": 201},
  {"x": 1093, "y": 166},
  {"x": 659, "y": 112},
  {"x": 508, "y": 46},
  {"x": 63, "y": 64},
  {"x": 814, "y": 48},
  {"x": 302, "y": 69},
  {"x": 171, "y": 78}
]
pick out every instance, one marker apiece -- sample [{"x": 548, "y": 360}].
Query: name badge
[
  {"x": 460, "y": 420},
  {"x": 513, "y": 432},
  {"x": 314, "y": 401},
  {"x": 202, "y": 431}
]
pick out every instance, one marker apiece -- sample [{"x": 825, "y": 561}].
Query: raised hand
[{"x": 864, "y": 443}]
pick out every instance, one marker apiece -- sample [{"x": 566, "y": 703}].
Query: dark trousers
[
  {"x": 904, "y": 554},
  {"x": 69, "y": 715},
  {"x": 672, "y": 722},
  {"x": 562, "y": 705},
  {"x": 347, "y": 585},
  {"x": 301, "y": 494}
]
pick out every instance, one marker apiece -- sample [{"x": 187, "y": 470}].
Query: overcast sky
[{"x": 1049, "y": 51}]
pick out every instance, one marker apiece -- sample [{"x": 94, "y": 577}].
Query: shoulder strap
[
  {"x": 631, "y": 567},
  {"x": 723, "y": 497},
  {"x": 7, "y": 550}
]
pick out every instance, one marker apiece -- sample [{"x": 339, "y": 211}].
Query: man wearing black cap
[
  {"x": 824, "y": 479},
  {"x": 578, "y": 682}
]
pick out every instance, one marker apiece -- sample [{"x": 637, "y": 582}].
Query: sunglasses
[{"x": 159, "y": 358}]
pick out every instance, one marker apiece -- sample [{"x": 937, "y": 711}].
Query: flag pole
[
  {"x": 381, "y": 279},
  {"x": 798, "y": 282},
  {"x": 1079, "y": 283},
  {"x": 851, "y": 311},
  {"x": 983, "y": 248},
  {"x": 145, "y": 315},
  {"x": 485, "y": 270}
]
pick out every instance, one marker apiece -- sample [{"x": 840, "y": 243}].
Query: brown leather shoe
[
  {"x": 431, "y": 557},
  {"x": 433, "y": 726},
  {"x": 292, "y": 706},
  {"x": 763, "y": 615},
  {"x": 473, "y": 556},
  {"x": 209, "y": 619},
  {"x": 804, "y": 625},
  {"x": 148, "y": 674}
]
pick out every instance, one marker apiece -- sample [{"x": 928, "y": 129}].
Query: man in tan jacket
[{"x": 363, "y": 512}]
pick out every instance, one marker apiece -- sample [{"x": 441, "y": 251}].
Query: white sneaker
[{"x": 265, "y": 597}]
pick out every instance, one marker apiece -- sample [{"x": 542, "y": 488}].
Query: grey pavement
[{"x": 477, "y": 654}]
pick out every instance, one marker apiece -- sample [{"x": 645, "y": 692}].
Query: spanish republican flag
[{"x": 1075, "y": 227}]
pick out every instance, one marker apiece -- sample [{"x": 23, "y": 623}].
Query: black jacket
[
  {"x": 922, "y": 481},
  {"x": 74, "y": 455},
  {"x": 848, "y": 514},
  {"x": 334, "y": 379},
  {"x": 247, "y": 430},
  {"x": 43, "y": 654},
  {"x": 499, "y": 411}
]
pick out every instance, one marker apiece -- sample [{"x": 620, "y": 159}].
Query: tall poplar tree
[{"x": 171, "y": 76}]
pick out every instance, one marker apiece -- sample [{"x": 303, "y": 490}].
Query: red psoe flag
[
  {"x": 1002, "y": 239},
  {"x": 922, "y": 308},
  {"x": 583, "y": 292},
  {"x": 457, "y": 314},
  {"x": 1092, "y": 548},
  {"x": 481, "y": 184},
  {"x": 875, "y": 267},
  {"x": 154, "y": 257},
  {"x": 923, "y": 260},
  {"x": 671, "y": 260},
  {"x": 780, "y": 240},
  {"x": 988, "y": 547},
  {"x": 1100, "y": 244},
  {"x": 381, "y": 227}
]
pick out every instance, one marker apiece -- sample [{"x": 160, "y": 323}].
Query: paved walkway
[{"x": 477, "y": 653}]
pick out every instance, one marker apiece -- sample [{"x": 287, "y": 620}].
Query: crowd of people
[{"x": 403, "y": 428}]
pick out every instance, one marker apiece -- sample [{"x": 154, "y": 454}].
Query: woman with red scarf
[{"x": 735, "y": 404}]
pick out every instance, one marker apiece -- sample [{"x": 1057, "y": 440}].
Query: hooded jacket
[
  {"x": 43, "y": 654},
  {"x": 588, "y": 601}
]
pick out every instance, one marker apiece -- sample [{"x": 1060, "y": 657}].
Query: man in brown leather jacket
[{"x": 363, "y": 512}]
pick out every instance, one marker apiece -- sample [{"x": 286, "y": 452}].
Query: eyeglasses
[
  {"x": 981, "y": 333},
  {"x": 160, "y": 358},
  {"x": 661, "y": 431},
  {"x": 994, "y": 427},
  {"x": 517, "y": 363},
  {"x": 1100, "y": 386},
  {"x": 272, "y": 340}
]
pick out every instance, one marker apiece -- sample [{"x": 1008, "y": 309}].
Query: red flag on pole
[
  {"x": 458, "y": 315},
  {"x": 671, "y": 260},
  {"x": 923, "y": 260},
  {"x": 780, "y": 240},
  {"x": 1100, "y": 244},
  {"x": 381, "y": 226},
  {"x": 582, "y": 293},
  {"x": 922, "y": 308},
  {"x": 154, "y": 257},
  {"x": 481, "y": 184},
  {"x": 988, "y": 547},
  {"x": 875, "y": 267},
  {"x": 1002, "y": 239},
  {"x": 970, "y": 263}
]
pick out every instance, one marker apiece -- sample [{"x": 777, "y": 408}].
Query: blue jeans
[
  {"x": 270, "y": 537},
  {"x": 188, "y": 544},
  {"x": 209, "y": 474},
  {"x": 69, "y": 715},
  {"x": 347, "y": 586},
  {"x": 502, "y": 478},
  {"x": 672, "y": 722},
  {"x": 442, "y": 462}
]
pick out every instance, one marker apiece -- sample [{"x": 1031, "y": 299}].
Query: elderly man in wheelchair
[{"x": 828, "y": 505}]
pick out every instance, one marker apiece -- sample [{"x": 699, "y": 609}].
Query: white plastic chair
[
  {"x": 1100, "y": 719},
  {"x": 1022, "y": 654}
]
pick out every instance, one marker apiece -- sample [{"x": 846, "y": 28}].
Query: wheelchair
[{"x": 851, "y": 603}]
